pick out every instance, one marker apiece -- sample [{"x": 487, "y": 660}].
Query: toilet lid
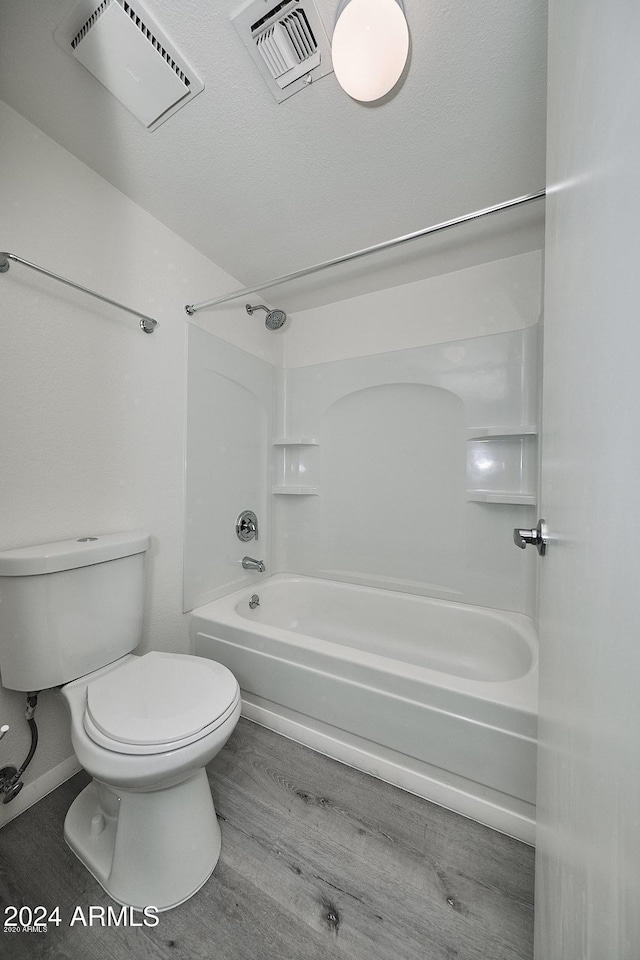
[{"x": 160, "y": 698}]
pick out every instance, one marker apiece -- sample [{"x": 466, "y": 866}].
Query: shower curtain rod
[
  {"x": 148, "y": 324},
  {"x": 192, "y": 308}
]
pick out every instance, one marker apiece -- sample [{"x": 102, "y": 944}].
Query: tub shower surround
[
  {"x": 401, "y": 640},
  {"x": 408, "y": 470},
  {"x": 230, "y": 404}
]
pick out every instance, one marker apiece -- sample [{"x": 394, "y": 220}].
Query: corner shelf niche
[
  {"x": 502, "y": 464},
  {"x": 295, "y": 461}
]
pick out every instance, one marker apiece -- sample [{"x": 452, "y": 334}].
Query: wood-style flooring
[{"x": 319, "y": 862}]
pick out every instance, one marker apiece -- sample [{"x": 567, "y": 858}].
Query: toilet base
[{"x": 145, "y": 849}]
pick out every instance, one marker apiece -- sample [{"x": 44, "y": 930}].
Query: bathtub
[{"x": 439, "y": 698}]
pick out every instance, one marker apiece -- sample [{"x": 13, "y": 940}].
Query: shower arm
[
  {"x": 147, "y": 324},
  {"x": 192, "y": 308}
]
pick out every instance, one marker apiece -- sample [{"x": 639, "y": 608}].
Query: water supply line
[{"x": 11, "y": 777}]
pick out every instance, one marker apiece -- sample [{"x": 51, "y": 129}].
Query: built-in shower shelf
[
  {"x": 502, "y": 464},
  {"x": 296, "y": 491},
  {"x": 498, "y": 496},
  {"x": 295, "y": 460},
  {"x": 500, "y": 433},
  {"x": 296, "y": 442}
]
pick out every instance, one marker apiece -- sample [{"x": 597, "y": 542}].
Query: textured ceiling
[{"x": 265, "y": 188}]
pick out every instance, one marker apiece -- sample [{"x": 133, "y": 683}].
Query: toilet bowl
[{"x": 144, "y": 728}]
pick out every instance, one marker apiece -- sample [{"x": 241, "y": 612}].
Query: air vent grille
[
  {"x": 288, "y": 43},
  {"x": 84, "y": 30},
  {"x": 142, "y": 27},
  {"x": 155, "y": 42},
  {"x": 121, "y": 44}
]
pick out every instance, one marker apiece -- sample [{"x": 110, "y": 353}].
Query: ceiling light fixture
[{"x": 370, "y": 47}]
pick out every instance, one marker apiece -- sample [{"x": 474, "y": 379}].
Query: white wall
[
  {"x": 93, "y": 410},
  {"x": 587, "y": 870},
  {"x": 488, "y": 298}
]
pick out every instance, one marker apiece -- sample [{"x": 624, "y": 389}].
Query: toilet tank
[{"x": 70, "y": 607}]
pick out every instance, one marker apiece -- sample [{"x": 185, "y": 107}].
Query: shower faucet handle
[
  {"x": 247, "y": 526},
  {"x": 4, "y": 729}
]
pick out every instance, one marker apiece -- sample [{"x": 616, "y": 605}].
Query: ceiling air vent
[
  {"x": 287, "y": 41},
  {"x": 124, "y": 48}
]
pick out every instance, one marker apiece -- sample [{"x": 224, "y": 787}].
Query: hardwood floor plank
[
  {"x": 444, "y": 863},
  {"x": 403, "y": 818}
]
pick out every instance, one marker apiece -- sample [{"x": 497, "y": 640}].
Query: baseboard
[{"x": 38, "y": 789}]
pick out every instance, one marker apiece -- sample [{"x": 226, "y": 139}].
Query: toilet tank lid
[{"x": 70, "y": 554}]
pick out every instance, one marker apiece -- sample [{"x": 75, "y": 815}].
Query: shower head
[{"x": 274, "y": 318}]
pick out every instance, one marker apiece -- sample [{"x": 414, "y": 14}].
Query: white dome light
[{"x": 369, "y": 48}]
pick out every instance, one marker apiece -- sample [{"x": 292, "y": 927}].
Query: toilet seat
[{"x": 159, "y": 702}]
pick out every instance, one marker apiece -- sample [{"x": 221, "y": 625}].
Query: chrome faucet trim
[
  {"x": 247, "y": 526},
  {"x": 250, "y": 564}
]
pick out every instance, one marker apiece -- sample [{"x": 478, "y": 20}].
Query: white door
[{"x": 588, "y": 857}]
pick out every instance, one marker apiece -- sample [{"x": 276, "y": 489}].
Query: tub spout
[{"x": 250, "y": 564}]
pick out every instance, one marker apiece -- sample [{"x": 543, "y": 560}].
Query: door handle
[{"x": 537, "y": 537}]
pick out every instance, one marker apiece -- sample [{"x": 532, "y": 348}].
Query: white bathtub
[{"x": 439, "y": 698}]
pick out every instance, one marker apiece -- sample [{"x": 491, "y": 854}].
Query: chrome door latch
[{"x": 538, "y": 537}]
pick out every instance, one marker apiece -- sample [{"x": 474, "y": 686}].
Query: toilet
[{"x": 143, "y": 727}]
